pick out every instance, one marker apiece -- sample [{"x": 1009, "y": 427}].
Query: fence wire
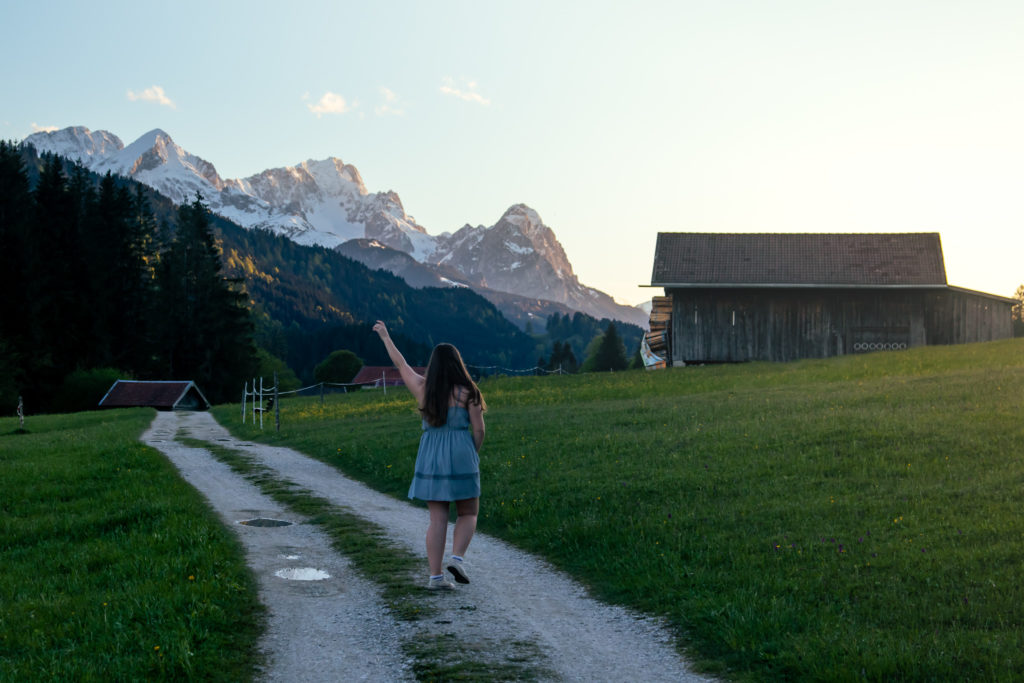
[{"x": 253, "y": 399}]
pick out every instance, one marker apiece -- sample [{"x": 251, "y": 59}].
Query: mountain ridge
[{"x": 326, "y": 203}]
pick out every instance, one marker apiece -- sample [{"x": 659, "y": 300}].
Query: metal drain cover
[{"x": 263, "y": 521}]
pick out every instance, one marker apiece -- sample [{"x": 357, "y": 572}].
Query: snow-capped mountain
[
  {"x": 520, "y": 254},
  {"x": 330, "y": 201},
  {"x": 316, "y": 202},
  {"x": 326, "y": 203}
]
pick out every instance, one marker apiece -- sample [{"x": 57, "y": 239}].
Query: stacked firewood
[{"x": 658, "y": 337}]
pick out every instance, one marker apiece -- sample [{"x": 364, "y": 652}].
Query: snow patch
[
  {"x": 518, "y": 249},
  {"x": 423, "y": 245}
]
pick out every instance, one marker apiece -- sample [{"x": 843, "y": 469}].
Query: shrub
[
  {"x": 341, "y": 366},
  {"x": 83, "y": 389},
  {"x": 269, "y": 364}
]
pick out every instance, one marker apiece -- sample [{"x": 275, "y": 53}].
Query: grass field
[
  {"x": 111, "y": 567},
  {"x": 843, "y": 519}
]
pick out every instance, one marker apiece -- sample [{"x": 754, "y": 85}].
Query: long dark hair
[{"x": 446, "y": 372}]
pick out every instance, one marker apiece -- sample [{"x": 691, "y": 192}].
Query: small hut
[{"x": 162, "y": 395}]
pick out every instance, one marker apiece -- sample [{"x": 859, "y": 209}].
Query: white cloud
[
  {"x": 466, "y": 91},
  {"x": 392, "y": 104},
  {"x": 36, "y": 128},
  {"x": 330, "y": 103},
  {"x": 153, "y": 94}
]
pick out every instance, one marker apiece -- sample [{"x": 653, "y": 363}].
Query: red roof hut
[{"x": 162, "y": 395}]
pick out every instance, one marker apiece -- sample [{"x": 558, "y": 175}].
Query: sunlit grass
[
  {"x": 821, "y": 520},
  {"x": 112, "y": 567}
]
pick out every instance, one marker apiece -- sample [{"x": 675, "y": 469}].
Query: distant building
[
  {"x": 162, "y": 395},
  {"x": 781, "y": 297},
  {"x": 382, "y": 376}
]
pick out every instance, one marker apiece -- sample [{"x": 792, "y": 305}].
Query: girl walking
[{"x": 448, "y": 462}]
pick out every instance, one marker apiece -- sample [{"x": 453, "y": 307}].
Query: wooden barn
[
  {"x": 781, "y": 297},
  {"x": 162, "y": 395}
]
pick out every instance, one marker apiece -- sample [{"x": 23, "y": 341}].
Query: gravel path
[{"x": 338, "y": 628}]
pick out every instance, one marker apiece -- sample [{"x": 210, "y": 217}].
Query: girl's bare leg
[
  {"x": 465, "y": 524},
  {"x": 437, "y": 532}
]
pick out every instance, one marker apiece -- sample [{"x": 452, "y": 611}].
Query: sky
[{"x": 613, "y": 120}]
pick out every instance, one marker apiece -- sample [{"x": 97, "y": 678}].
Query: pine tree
[
  {"x": 112, "y": 267},
  {"x": 562, "y": 358},
  {"x": 610, "y": 353},
  {"x": 143, "y": 249},
  {"x": 569, "y": 363},
  {"x": 59, "y": 304},
  {"x": 205, "y": 330}
]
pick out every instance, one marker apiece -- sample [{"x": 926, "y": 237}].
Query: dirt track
[{"x": 338, "y": 629}]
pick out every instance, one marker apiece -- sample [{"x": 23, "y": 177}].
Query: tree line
[
  {"x": 581, "y": 343},
  {"x": 96, "y": 287}
]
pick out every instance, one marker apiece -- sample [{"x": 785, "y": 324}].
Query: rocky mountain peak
[
  {"x": 76, "y": 142},
  {"x": 335, "y": 176},
  {"x": 524, "y": 218}
]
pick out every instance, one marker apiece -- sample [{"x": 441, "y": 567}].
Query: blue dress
[{"x": 447, "y": 464}]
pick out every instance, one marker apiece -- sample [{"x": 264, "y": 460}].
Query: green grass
[
  {"x": 847, "y": 518},
  {"x": 111, "y": 567}
]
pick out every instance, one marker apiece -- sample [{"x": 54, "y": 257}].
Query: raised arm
[{"x": 413, "y": 380}]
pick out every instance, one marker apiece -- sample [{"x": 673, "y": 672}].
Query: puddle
[
  {"x": 302, "y": 574},
  {"x": 263, "y": 521}
]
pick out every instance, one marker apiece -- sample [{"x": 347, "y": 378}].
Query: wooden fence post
[{"x": 277, "y": 406}]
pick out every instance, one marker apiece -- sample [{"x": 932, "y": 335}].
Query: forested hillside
[
  {"x": 96, "y": 289},
  {"x": 309, "y": 301}
]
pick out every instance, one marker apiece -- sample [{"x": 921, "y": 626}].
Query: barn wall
[
  {"x": 731, "y": 325},
  {"x": 957, "y": 317},
  {"x": 781, "y": 325}
]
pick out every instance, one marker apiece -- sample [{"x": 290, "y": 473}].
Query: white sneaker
[
  {"x": 440, "y": 584},
  {"x": 458, "y": 570}
]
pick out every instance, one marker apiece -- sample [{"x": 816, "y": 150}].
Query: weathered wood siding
[
  {"x": 958, "y": 317},
  {"x": 731, "y": 325}
]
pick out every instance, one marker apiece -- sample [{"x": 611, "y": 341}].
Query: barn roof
[
  {"x": 370, "y": 374},
  {"x": 165, "y": 395},
  {"x": 684, "y": 259}
]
